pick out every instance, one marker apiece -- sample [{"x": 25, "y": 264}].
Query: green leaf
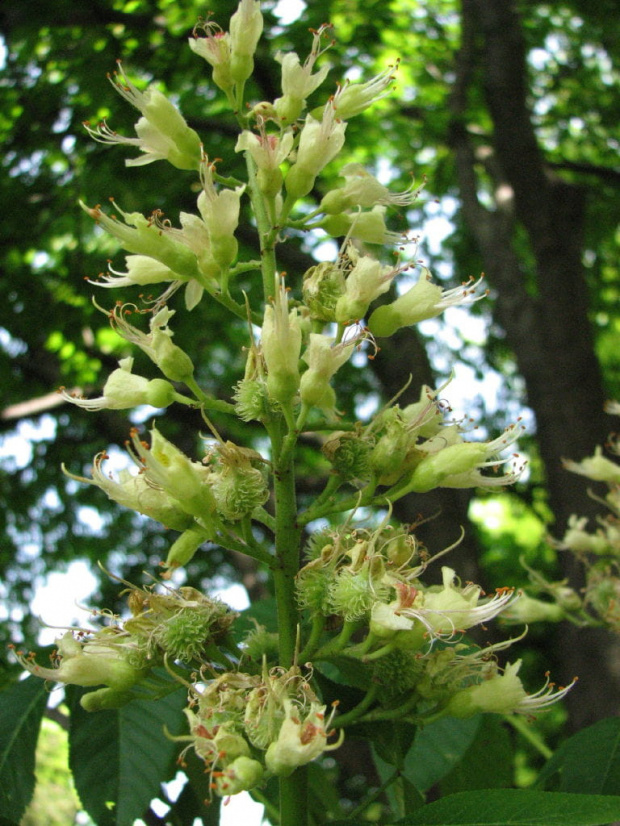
[
  {"x": 21, "y": 710},
  {"x": 119, "y": 758},
  {"x": 391, "y": 740},
  {"x": 487, "y": 763},
  {"x": 589, "y": 762},
  {"x": 437, "y": 749},
  {"x": 517, "y": 807}
]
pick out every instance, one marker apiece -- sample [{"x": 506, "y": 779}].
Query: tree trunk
[{"x": 543, "y": 309}]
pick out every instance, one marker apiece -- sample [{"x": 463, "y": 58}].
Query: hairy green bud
[
  {"x": 322, "y": 287},
  {"x": 349, "y": 454}
]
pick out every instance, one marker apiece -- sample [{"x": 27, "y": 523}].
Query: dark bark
[{"x": 543, "y": 309}]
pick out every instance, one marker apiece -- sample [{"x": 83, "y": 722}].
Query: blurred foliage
[{"x": 55, "y": 801}]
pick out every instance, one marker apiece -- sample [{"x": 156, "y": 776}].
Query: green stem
[
  {"x": 526, "y": 731},
  {"x": 355, "y": 713},
  {"x": 336, "y": 644},
  {"x": 318, "y": 624},
  {"x": 286, "y": 562},
  {"x": 266, "y": 234},
  {"x": 294, "y": 798},
  {"x": 374, "y": 795},
  {"x": 206, "y": 401},
  {"x": 333, "y": 483}
]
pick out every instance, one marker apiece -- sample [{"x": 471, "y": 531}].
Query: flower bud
[
  {"x": 323, "y": 360},
  {"x": 527, "y": 609},
  {"x": 281, "y": 347},
  {"x": 319, "y": 143},
  {"x": 242, "y": 774},
  {"x": 349, "y": 454},
  {"x": 300, "y": 740},
  {"x": 246, "y": 26},
  {"x": 369, "y": 226},
  {"x": 367, "y": 280}
]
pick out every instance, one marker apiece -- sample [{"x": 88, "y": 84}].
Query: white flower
[
  {"x": 353, "y": 98},
  {"x": 134, "y": 491},
  {"x": 437, "y": 612},
  {"x": 324, "y": 359},
  {"x": 364, "y": 190},
  {"x": 424, "y": 300},
  {"x": 163, "y": 133},
  {"x": 596, "y": 467},
  {"x": 267, "y": 151},
  {"x": 124, "y": 390},
  {"x": 300, "y": 740},
  {"x": 504, "y": 694}
]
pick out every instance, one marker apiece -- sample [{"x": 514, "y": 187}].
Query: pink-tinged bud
[{"x": 215, "y": 49}]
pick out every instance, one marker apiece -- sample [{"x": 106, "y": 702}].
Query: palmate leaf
[
  {"x": 21, "y": 710},
  {"x": 120, "y": 757}
]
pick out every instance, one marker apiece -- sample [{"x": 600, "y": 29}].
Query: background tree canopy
[{"x": 509, "y": 109}]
